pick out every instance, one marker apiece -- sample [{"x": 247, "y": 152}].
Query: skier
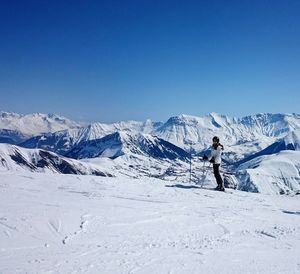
[{"x": 215, "y": 159}]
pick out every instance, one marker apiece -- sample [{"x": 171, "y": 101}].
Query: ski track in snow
[
  {"x": 81, "y": 229},
  {"x": 84, "y": 224}
]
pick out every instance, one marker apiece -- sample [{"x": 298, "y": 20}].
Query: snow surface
[
  {"x": 271, "y": 174},
  {"x": 87, "y": 224}
]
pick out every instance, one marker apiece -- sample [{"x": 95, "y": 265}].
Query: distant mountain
[
  {"x": 120, "y": 143},
  {"x": 62, "y": 141},
  {"x": 240, "y": 136},
  {"x": 289, "y": 142},
  {"x": 35, "y": 124},
  {"x": 98, "y": 130},
  {"x": 12, "y": 136},
  {"x": 59, "y": 142},
  {"x": 271, "y": 174},
  {"x": 14, "y": 158},
  {"x": 136, "y": 155},
  {"x": 119, "y": 154}
]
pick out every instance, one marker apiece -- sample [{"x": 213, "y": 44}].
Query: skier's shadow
[
  {"x": 183, "y": 186},
  {"x": 291, "y": 212}
]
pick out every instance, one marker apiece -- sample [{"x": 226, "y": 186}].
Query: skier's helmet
[{"x": 216, "y": 139}]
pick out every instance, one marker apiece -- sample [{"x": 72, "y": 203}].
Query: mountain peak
[
  {"x": 6, "y": 114},
  {"x": 125, "y": 143},
  {"x": 182, "y": 119},
  {"x": 35, "y": 123},
  {"x": 215, "y": 114},
  {"x": 293, "y": 138}
]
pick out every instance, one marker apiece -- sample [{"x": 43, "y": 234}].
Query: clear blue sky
[{"x": 119, "y": 60}]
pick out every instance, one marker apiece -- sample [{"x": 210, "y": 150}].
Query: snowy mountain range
[
  {"x": 242, "y": 136},
  {"x": 159, "y": 148},
  {"x": 135, "y": 155},
  {"x": 121, "y": 143},
  {"x": 14, "y": 158},
  {"x": 34, "y": 124},
  {"x": 62, "y": 141}
]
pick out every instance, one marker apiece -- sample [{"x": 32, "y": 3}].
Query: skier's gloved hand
[{"x": 205, "y": 158}]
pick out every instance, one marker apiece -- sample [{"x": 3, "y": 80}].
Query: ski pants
[{"x": 218, "y": 175}]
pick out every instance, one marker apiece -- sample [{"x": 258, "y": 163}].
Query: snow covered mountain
[
  {"x": 66, "y": 223},
  {"x": 241, "y": 136},
  {"x": 155, "y": 149},
  {"x": 98, "y": 130},
  {"x": 135, "y": 155},
  {"x": 59, "y": 142},
  {"x": 35, "y": 124},
  {"x": 271, "y": 174},
  {"x": 120, "y": 143},
  {"x": 14, "y": 158},
  {"x": 289, "y": 142},
  {"x": 9, "y": 136},
  {"x": 62, "y": 141}
]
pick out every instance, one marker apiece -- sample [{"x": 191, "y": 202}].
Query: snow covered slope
[
  {"x": 289, "y": 142},
  {"x": 14, "y": 158},
  {"x": 120, "y": 143},
  {"x": 34, "y": 124},
  {"x": 86, "y": 224},
  {"x": 59, "y": 142},
  {"x": 9, "y": 136},
  {"x": 272, "y": 174}
]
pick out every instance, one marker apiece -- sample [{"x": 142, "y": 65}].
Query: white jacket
[{"x": 216, "y": 154}]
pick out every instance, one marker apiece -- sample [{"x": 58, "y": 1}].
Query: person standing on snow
[{"x": 215, "y": 159}]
